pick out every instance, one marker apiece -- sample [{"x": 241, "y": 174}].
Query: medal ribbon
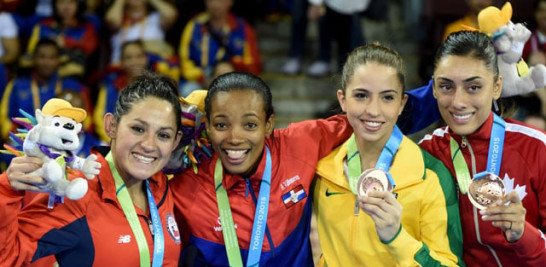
[
  {"x": 494, "y": 157},
  {"x": 383, "y": 162},
  {"x": 260, "y": 217},
  {"x": 130, "y": 213}
]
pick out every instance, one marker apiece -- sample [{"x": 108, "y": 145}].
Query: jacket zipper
[
  {"x": 354, "y": 227},
  {"x": 465, "y": 143}
]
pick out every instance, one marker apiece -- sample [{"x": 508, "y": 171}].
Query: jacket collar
[
  {"x": 483, "y": 133},
  {"x": 158, "y": 181},
  {"x": 231, "y": 180},
  {"x": 408, "y": 165}
]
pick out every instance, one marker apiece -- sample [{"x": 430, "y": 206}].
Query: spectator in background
[
  {"x": 534, "y": 52},
  {"x": 43, "y": 8},
  {"x": 471, "y": 18},
  {"x": 75, "y": 35},
  {"x": 221, "y": 67},
  {"x": 534, "y": 49},
  {"x": 9, "y": 45},
  {"x": 298, "y": 32},
  {"x": 146, "y": 20},
  {"x": 87, "y": 138},
  {"x": 212, "y": 36},
  {"x": 31, "y": 92},
  {"x": 134, "y": 59},
  {"x": 341, "y": 21}
]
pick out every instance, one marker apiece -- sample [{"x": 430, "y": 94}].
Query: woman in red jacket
[
  {"x": 476, "y": 143},
  {"x": 250, "y": 204},
  {"x": 126, "y": 218}
]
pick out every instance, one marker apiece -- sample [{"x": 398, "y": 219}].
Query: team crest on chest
[
  {"x": 172, "y": 228},
  {"x": 293, "y": 196}
]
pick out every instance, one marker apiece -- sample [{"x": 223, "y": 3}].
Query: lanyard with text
[
  {"x": 130, "y": 213},
  {"x": 494, "y": 157},
  {"x": 260, "y": 217},
  {"x": 383, "y": 162}
]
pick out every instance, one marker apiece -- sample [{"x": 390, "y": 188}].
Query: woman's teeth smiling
[
  {"x": 235, "y": 154},
  {"x": 143, "y": 158},
  {"x": 373, "y": 124},
  {"x": 462, "y": 117}
]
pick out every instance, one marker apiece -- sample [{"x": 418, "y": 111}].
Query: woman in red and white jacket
[{"x": 466, "y": 82}]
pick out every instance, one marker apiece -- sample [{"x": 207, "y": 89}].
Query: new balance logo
[{"x": 124, "y": 239}]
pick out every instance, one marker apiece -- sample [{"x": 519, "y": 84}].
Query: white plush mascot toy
[
  {"x": 53, "y": 139},
  {"x": 509, "y": 39}
]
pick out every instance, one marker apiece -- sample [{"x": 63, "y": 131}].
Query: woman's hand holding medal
[
  {"x": 487, "y": 192},
  {"x": 374, "y": 189},
  {"x": 385, "y": 212},
  {"x": 510, "y": 218}
]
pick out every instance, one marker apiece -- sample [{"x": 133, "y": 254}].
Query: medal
[
  {"x": 373, "y": 180},
  {"x": 494, "y": 157},
  {"x": 485, "y": 190}
]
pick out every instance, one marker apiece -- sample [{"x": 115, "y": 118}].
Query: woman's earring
[{"x": 496, "y": 108}]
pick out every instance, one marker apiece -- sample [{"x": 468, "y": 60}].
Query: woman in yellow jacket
[{"x": 417, "y": 224}]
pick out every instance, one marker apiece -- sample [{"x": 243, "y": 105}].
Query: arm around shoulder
[{"x": 326, "y": 133}]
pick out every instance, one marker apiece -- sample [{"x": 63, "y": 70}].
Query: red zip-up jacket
[
  {"x": 295, "y": 152},
  {"x": 92, "y": 231},
  {"x": 524, "y": 161}
]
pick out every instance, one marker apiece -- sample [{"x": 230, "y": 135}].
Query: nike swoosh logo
[{"x": 332, "y": 193}]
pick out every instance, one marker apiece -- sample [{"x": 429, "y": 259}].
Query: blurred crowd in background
[{"x": 86, "y": 51}]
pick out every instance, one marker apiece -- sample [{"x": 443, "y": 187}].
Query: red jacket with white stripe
[
  {"x": 92, "y": 231},
  {"x": 524, "y": 161}
]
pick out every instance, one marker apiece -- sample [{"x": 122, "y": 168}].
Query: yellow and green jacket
[{"x": 431, "y": 229}]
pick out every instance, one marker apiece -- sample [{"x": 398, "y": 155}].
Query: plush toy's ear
[
  {"x": 78, "y": 127},
  {"x": 39, "y": 116}
]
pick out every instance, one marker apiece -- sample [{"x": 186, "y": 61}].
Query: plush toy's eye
[{"x": 56, "y": 122}]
